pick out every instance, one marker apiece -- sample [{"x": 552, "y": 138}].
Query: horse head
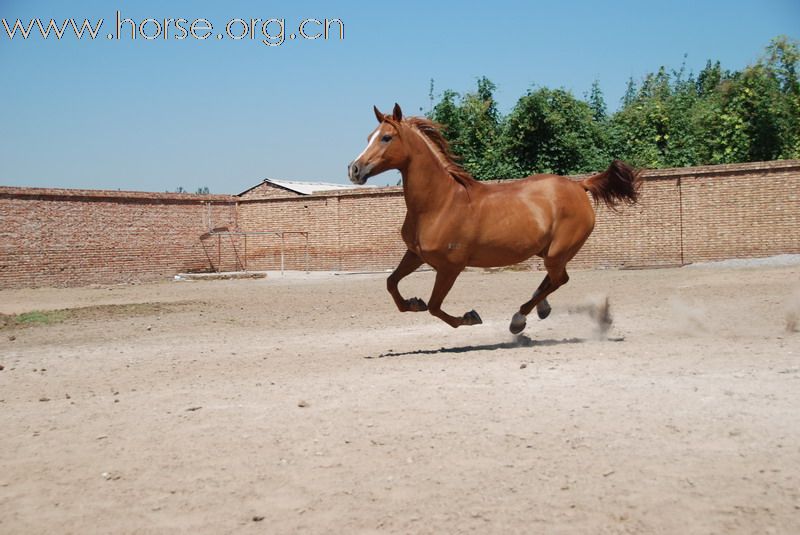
[{"x": 384, "y": 148}]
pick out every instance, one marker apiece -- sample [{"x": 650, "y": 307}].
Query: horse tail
[{"x": 619, "y": 183}]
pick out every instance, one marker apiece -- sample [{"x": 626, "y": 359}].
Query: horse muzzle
[{"x": 358, "y": 173}]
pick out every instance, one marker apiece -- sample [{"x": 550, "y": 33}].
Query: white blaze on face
[{"x": 369, "y": 144}]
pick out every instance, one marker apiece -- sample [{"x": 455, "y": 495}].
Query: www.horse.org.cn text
[{"x": 268, "y": 31}]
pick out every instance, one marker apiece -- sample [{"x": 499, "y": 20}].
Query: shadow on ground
[{"x": 519, "y": 341}]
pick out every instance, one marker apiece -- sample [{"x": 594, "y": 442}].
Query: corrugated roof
[{"x": 306, "y": 188}]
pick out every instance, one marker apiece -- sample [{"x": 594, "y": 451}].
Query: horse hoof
[
  {"x": 543, "y": 309},
  {"x": 472, "y": 318},
  {"x": 518, "y": 322},
  {"x": 415, "y": 304}
]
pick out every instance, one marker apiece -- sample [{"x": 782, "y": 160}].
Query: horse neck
[{"x": 426, "y": 183}]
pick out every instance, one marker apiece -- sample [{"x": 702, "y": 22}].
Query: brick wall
[
  {"x": 741, "y": 211},
  {"x": 54, "y": 237},
  {"x": 685, "y": 215},
  {"x": 69, "y": 237},
  {"x": 647, "y": 234}
]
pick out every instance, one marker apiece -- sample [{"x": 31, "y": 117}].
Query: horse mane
[{"x": 432, "y": 131}]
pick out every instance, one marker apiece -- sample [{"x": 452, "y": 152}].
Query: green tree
[
  {"x": 709, "y": 79},
  {"x": 447, "y": 113},
  {"x": 478, "y": 146},
  {"x": 754, "y": 114},
  {"x": 669, "y": 119},
  {"x": 552, "y": 131},
  {"x": 640, "y": 130},
  {"x": 472, "y": 124},
  {"x": 597, "y": 103},
  {"x": 781, "y": 100},
  {"x": 630, "y": 93}
]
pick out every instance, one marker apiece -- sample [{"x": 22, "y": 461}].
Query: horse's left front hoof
[{"x": 472, "y": 318}]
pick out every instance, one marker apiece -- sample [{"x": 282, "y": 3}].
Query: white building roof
[{"x": 309, "y": 188}]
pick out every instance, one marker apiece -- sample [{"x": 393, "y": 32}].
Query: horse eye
[{"x": 386, "y": 139}]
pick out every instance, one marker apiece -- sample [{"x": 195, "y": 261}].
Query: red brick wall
[
  {"x": 685, "y": 215},
  {"x": 647, "y": 234},
  {"x": 67, "y": 237},
  {"x": 316, "y": 215},
  {"x": 77, "y": 237},
  {"x": 358, "y": 230},
  {"x": 739, "y": 211},
  {"x": 371, "y": 223}
]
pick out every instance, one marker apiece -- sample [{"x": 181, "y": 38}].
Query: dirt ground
[{"x": 309, "y": 404}]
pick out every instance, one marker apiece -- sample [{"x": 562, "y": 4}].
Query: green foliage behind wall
[{"x": 669, "y": 119}]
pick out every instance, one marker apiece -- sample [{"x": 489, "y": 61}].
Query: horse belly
[
  {"x": 497, "y": 256},
  {"x": 510, "y": 242}
]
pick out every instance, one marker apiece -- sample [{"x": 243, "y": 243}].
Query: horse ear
[
  {"x": 378, "y": 115},
  {"x": 397, "y": 113}
]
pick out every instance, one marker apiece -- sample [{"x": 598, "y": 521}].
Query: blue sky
[{"x": 157, "y": 114}]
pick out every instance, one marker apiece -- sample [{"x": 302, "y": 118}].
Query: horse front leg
[
  {"x": 445, "y": 278},
  {"x": 410, "y": 262}
]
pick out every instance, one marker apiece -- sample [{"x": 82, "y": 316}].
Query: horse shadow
[{"x": 518, "y": 342}]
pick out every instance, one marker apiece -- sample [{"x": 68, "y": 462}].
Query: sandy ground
[{"x": 311, "y": 405}]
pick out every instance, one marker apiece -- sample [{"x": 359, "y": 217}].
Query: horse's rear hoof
[
  {"x": 518, "y": 322},
  {"x": 415, "y": 304},
  {"x": 543, "y": 309},
  {"x": 472, "y": 318}
]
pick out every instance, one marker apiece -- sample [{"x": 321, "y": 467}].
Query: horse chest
[
  {"x": 409, "y": 235},
  {"x": 432, "y": 241}
]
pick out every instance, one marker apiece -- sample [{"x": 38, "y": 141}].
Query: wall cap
[{"x": 117, "y": 195}]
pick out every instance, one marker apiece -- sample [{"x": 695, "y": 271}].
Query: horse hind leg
[
  {"x": 543, "y": 309},
  {"x": 519, "y": 320},
  {"x": 555, "y": 278},
  {"x": 560, "y": 251}
]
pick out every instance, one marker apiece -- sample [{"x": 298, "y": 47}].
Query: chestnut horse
[{"x": 454, "y": 221}]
